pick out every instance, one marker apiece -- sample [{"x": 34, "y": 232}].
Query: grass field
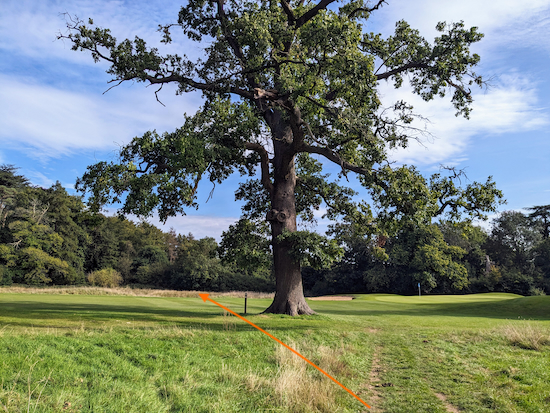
[{"x": 116, "y": 353}]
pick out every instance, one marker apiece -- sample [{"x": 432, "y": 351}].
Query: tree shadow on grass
[
  {"x": 38, "y": 313},
  {"x": 43, "y": 314}
]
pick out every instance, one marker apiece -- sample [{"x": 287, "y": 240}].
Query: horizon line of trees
[{"x": 48, "y": 237}]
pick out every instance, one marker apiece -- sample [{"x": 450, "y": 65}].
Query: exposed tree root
[{"x": 289, "y": 307}]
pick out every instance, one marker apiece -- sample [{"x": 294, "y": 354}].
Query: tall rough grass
[
  {"x": 527, "y": 336},
  {"x": 126, "y": 291},
  {"x": 302, "y": 389}
]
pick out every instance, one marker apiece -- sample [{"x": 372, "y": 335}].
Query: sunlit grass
[{"x": 118, "y": 353}]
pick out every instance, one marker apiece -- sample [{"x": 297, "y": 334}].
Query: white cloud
[
  {"x": 54, "y": 122},
  {"x": 487, "y": 224},
  {"x": 200, "y": 226},
  {"x": 38, "y": 178},
  {"x": 47, "y": 120},
  {"x": 515, "y": 17},
  {"x": 29, "y": 27},
  {"x": 510, "y": 106}
]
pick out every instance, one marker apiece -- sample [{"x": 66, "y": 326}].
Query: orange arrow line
[{"x": 205, "y": 298}]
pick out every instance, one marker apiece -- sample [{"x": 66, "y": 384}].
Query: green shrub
[
  {"x": 5, "y": 275},
  {"x": 106, "y": 277},
  {"x": 536, "y": 291},
  {"x": 151, "y": 274}
]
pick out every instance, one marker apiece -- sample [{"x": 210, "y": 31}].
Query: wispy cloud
[
  {"x": 512, "y": 105},
  {"x": 30, "y": 27},
  {"x": 508, "y": 18},
  {"x": 57, "y": 107},
  {"x": 200, "y": 226},
  {"x": 38, "y": 178},
  {"x": 54, "y": 122}
]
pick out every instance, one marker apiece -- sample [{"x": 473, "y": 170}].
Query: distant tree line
[
  {"x": 445, "y": 258},
  {"x": 48, "y": 237}
]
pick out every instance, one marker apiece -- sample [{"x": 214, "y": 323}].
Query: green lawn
[{"x": 78, "y": 353}]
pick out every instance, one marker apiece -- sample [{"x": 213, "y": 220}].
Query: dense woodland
[{"x": 48, "y": 237}]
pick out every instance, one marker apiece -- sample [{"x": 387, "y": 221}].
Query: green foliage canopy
[{"x": 310, "y": 69}]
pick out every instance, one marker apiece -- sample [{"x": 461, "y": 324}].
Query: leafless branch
[
  {"x": 408, "y": 66},
  {"x": 157, "y": 96},
  {"x": 118, "y": 84},
  {"x": 15, "y": 244},
  {"x": 367, "y": 10},
  {"x": 456, "y": 174}
]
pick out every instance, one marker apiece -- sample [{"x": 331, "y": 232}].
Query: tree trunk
[{"x": 289, "y": 294}]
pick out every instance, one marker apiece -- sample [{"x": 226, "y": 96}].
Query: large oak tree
[{"x": 286, "y": 83}]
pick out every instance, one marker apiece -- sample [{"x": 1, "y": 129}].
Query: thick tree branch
[
  {"x": 442, "y": 208},
  {"x": 288, "y": 11},
  {"x": 408, "y": 66},
  {"x": 231, "y": 40},
  {"x": 210, "y": 87},
  {"x": 420, "y": 65},
  {"x": 311, "y": 13},
  {"x": 458, "y": 87},
  {"x": 264, "y": 158},
  {"x": 296, "y": 124},
  {"x": 346, "y": 166},
  {"x": 334, "y": 157}
]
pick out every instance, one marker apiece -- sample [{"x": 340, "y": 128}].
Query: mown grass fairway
[{"x": 69, "y": 353}]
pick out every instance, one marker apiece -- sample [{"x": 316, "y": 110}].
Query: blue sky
[{"x": 55, "y": 119}]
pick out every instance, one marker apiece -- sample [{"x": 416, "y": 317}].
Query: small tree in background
[
  {"x": 106, "y": 277},
  {"x": 540, "y": 218}
]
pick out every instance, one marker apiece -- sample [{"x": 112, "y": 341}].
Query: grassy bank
[{"x": 116, "y": 353}]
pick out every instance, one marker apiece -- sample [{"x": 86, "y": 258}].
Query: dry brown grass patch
[
  {"x": 527, "y": 335},
  {"x": 229, "y": 322},
  {"x": 127, "y": 291},
  {"x": 254, "y": 383},
  {"x": 301, "y": 388}
]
